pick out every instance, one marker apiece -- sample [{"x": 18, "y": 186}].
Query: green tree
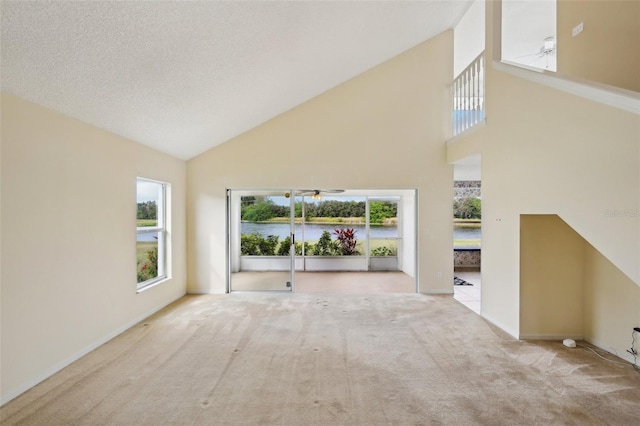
[
  {"x": 261, "y": 209},
  {"x": 325, "y": 247},
  {"x": 268, "y": 245},
  {"x": 147, "y": 210},
  {"x": 384, "y": 251},
  {"x": 257, "y": 245},
  {"x": 285, "y": 247},
  {"x": 259, "y": 212},
  {"x": 467, "y": 208},
  {"x": 381, "y": 210},
  {"x": 309, "y": 249},
  {"x": 250, "y": 244}
]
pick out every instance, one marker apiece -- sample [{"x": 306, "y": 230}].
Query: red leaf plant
[{"x": 347, "y": 241}]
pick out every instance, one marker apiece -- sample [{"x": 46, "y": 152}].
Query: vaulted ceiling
[{"x": 183, "y": 77}]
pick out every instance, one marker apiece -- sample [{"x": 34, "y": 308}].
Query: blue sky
[{"x": 148, "y": 191}]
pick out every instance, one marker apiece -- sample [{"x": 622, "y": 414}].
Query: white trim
[
  {"x": 626, "y": 100},
  {"x": 336, "y": 263},
  {"x": 204, "y": 292},
  {"x": 468, "y": 131},
  {"x": 162, "y": 229},
  {"x": 508, "y": 330},
  {"x": 600, "y": 345},
  {"x": 559, "y": 337},
  {"x": 82, "y": 352},
  {"x": 148, "y": 230},
  {"x": 152, "y": 283},
  {"x": 624, "y": 355},
  {"x": 383, "y": 263}
]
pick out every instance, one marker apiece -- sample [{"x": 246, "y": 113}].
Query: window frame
[{"x": 161, "y": 229}]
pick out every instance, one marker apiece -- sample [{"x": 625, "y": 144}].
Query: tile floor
[{"x": 466, "y": 294}]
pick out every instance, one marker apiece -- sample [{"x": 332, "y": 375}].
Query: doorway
[
  {"x": 301, "y": 240},
  {"x": 467, "y": 233}
]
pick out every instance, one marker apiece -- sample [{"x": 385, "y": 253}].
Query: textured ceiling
[{"x": 182, "y": 76}]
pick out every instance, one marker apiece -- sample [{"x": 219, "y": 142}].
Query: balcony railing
[{"x": 468, "y": 96}]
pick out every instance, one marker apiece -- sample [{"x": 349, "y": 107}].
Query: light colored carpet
[{"x": 305, "y": 359}]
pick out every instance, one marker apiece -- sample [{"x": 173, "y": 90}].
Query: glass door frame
[
  {"x": 233, "y": 235},
  {"x": 292, "y": 233},
  {"x": 398, "y": 238}
]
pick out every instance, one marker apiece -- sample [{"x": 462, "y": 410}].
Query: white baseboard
[
  {"x": 624, "y": 354},
  {"x": 503, "y": 327},
  {"x": 600, "y": 345},
  {"x": 59, "y": 366},
  {"x": 559, "y": 337}
]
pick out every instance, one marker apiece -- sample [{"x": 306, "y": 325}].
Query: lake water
[
  {"x": 314, "y": 231},
  {"x": 147, "y": 237},
  {"x": 465, "y": 233}
]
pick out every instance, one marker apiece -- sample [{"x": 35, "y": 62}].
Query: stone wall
[
  {"x": 466, "y": 259},
  {"x": 467, "y": 189}
]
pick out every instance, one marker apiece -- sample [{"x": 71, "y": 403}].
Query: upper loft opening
[
  {"x": 529, "y": 33},
  {"x": 571, "y": 47},
  {"x": 468, "y": 66},
  {"x": 589, "y": 43}
]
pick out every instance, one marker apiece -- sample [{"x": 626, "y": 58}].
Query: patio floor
[{"x": 468, "y": 295}]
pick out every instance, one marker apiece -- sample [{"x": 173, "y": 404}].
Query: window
[{"x": 151, "y": 228}]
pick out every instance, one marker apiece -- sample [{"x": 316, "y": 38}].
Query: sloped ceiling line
[{"x": 183, "y": 77}]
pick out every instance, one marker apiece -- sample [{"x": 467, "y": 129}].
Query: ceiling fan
[
  {"x": 547, "y": 50},
  {"x": 316, "y": 194}
]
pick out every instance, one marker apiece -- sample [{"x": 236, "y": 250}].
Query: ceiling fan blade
[
  {"x": 318, "y": 191},
  {"x": 526, "y": 56}
]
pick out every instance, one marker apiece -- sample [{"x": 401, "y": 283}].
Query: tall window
[{"x": 151, "y": 232}]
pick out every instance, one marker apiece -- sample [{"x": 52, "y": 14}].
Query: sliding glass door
[
  {"x": 301, "y": 240},
  {"x": 384, "y": 233},
  {"x": 261, "y": 240}
]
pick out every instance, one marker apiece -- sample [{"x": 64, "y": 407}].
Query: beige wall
[
  {"x": 551, "y": 278},
  {"x": 549, "y": 152},
  {"x": 612, "y": 304},
  {"x": 555, "y": 153},
  {"x": 68, "y": 239},
  {"x": 468, "y": 42},
  {"x": 383, "y": 129},
  {"x": 569, "y": 289},
  {"x": 608, "y": 50}
]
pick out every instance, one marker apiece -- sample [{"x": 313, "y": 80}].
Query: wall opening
[{"x": 529, "y": 33}]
